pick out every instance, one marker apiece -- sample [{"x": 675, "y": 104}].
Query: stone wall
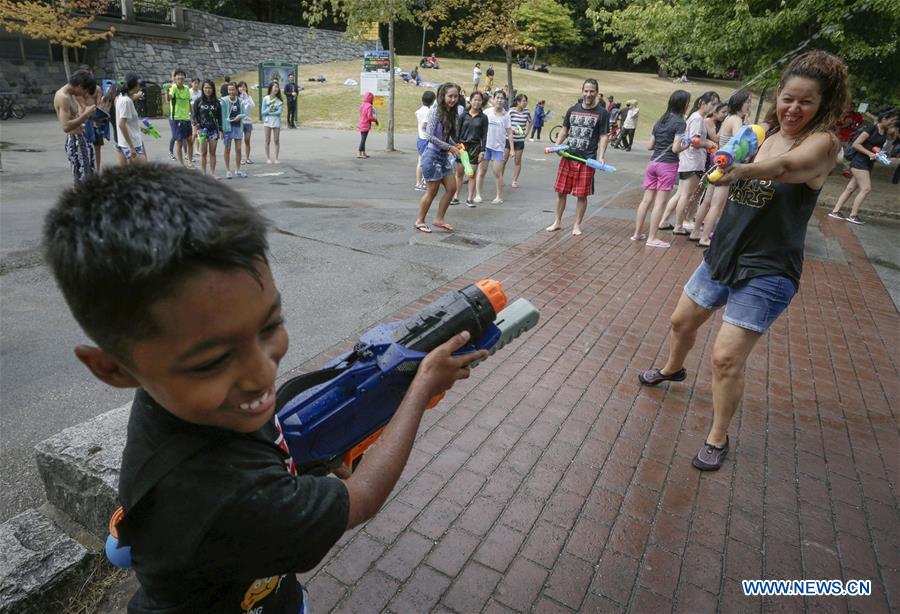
[
  {"x": 204, "y": 45},
  {"x": 220, "y": 46}
]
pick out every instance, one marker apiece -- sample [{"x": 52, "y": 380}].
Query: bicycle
[{"x": 10, "y": 108}]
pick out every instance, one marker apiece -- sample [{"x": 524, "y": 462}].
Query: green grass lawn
[{"x": 333, "y": 104}]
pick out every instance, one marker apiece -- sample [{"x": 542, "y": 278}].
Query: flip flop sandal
[
  {"x": 638, "y": 238},
  {"x": 693, "y": 238},
  {"x": 666, "y": 227},
  {"x": 423, "y": 228},
  {"x": 682, "y": 233},
  {"x": 443, "y": 226},
  {"x": 657, "y": 243}
]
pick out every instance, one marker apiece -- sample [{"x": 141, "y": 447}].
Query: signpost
[
  {"x": 375, "y": 77},
  {"x": 274, "y": 71}
]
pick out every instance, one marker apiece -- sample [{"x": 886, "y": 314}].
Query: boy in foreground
[{"x": 166, "y": 271}]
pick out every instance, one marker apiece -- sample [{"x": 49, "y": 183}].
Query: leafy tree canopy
[
  {"x": 756, "y": 36},
  {"x": 545, "y": 24}
]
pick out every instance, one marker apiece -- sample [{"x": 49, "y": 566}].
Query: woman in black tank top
[
  {"x": 864, "y": 148},
  {"x": 755, "y": 260}
]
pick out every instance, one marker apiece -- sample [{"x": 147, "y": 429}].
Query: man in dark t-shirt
[
  {"x": 585, "y": 128},
  {"x": 290, "y": 91}
]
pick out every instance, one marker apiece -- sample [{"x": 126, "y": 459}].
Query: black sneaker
[
  {"x": 655, "y": 376},
  {"x": 470, "y": 203},
  {"x": 454, "y": 201},
  {"x": 836, "y": 215},
  {"x": 710, "y": 458},
  {"x": 854, "y": 219}
]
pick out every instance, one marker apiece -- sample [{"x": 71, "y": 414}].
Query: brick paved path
[{"x": 551, "y": 481}]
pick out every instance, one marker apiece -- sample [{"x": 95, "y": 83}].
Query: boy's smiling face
[{"x": 215, "y": 361}]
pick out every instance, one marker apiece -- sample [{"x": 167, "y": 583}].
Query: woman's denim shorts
[
  {"x": 753, "y": 303},
  {"x": 436, "y": 164}
]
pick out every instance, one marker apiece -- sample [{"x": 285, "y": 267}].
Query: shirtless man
[{"x": 73, "y": 103}]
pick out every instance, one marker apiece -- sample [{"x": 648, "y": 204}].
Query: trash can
[{"x": 151, "y": 105}]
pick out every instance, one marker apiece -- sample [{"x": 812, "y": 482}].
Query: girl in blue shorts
[{"x": 437, "y": 170}]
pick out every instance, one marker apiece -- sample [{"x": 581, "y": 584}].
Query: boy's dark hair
[
  {"x": 131, "y": 82},
  {"x": 592, "y": 82},
  {"x": 179, "y": 71},
  {"x": 121, "y": 241},
  {"x": 227, "y": 79},
  {"x": 195, "y": 80},
  {"x": 428, "y": 98},
  {"x": 520, "y": 97},
  {"x": 84, "y": 79}
]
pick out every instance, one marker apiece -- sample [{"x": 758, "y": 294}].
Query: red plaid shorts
[{"x": 574, "y": 178}]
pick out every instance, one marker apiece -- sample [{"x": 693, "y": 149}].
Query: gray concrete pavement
[{"x": 343, "y": 251}]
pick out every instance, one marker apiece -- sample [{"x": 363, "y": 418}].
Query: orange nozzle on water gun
[{"x": 494, "y": 292}]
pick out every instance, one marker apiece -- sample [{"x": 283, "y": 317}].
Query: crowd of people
[
  {"x": 205, "y": 377},
  {"x": 198, "y": 119}
]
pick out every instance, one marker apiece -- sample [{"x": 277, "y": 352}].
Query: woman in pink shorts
[{"x": 662, "y": 171}]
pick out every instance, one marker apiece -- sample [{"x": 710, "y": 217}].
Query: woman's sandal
[
  {"x": 656, "y": 376},
  {"x": 640, "y": 237},
  {"x": 443, "y": 226},
  {"x": 657, "y": 243},
  {"x": 423, "y": 228}
]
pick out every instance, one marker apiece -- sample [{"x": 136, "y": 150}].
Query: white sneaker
[
  {"x": 531, "y": 140},
  {"x": 689, "y": 226},
  {"x": 477, "y": 199},
  {"x": 228, "y": 175},
  {"x": 240, "y": 174},
  {"x": 497, "y": 201},
  {"x": 268, "y": 162}
]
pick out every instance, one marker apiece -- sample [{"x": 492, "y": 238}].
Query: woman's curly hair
[{"x": 830, "y": 72}]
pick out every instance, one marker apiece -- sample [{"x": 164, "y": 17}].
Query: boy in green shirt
[{"x": 180, "y": 106}]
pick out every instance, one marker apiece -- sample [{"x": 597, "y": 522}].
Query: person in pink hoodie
[{"x": 367, "y": 117}]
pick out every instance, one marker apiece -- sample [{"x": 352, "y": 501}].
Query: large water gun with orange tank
[{"x": 330, "y": 417}]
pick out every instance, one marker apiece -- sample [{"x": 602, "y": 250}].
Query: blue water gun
[
  {"x": 743, "y": 145},
  {"x": 881, "y": 156},
  {"x": 563, "y": 152},
  {"x": 332, "y": 416}
]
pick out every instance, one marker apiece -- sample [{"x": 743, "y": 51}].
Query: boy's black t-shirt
[
  {"x": 585, "y": 127},
  {"x": 226, "y": 529}
]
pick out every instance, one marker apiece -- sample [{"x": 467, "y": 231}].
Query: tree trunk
[
  {"x": 534, "y": 61},
  {"x": 509, "y": 79},
  {"x": 390, "y": 126},
  {"x": 65, "y": 54}
]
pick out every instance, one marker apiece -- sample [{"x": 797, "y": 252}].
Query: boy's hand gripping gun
[
  {"x": 744, "y": 144},
  {"x": 465, "y": 160},
  {"x": 330, "y": 417},
  {"x": 150, "y": 129},
  {"x": 563, "y": 152}
]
